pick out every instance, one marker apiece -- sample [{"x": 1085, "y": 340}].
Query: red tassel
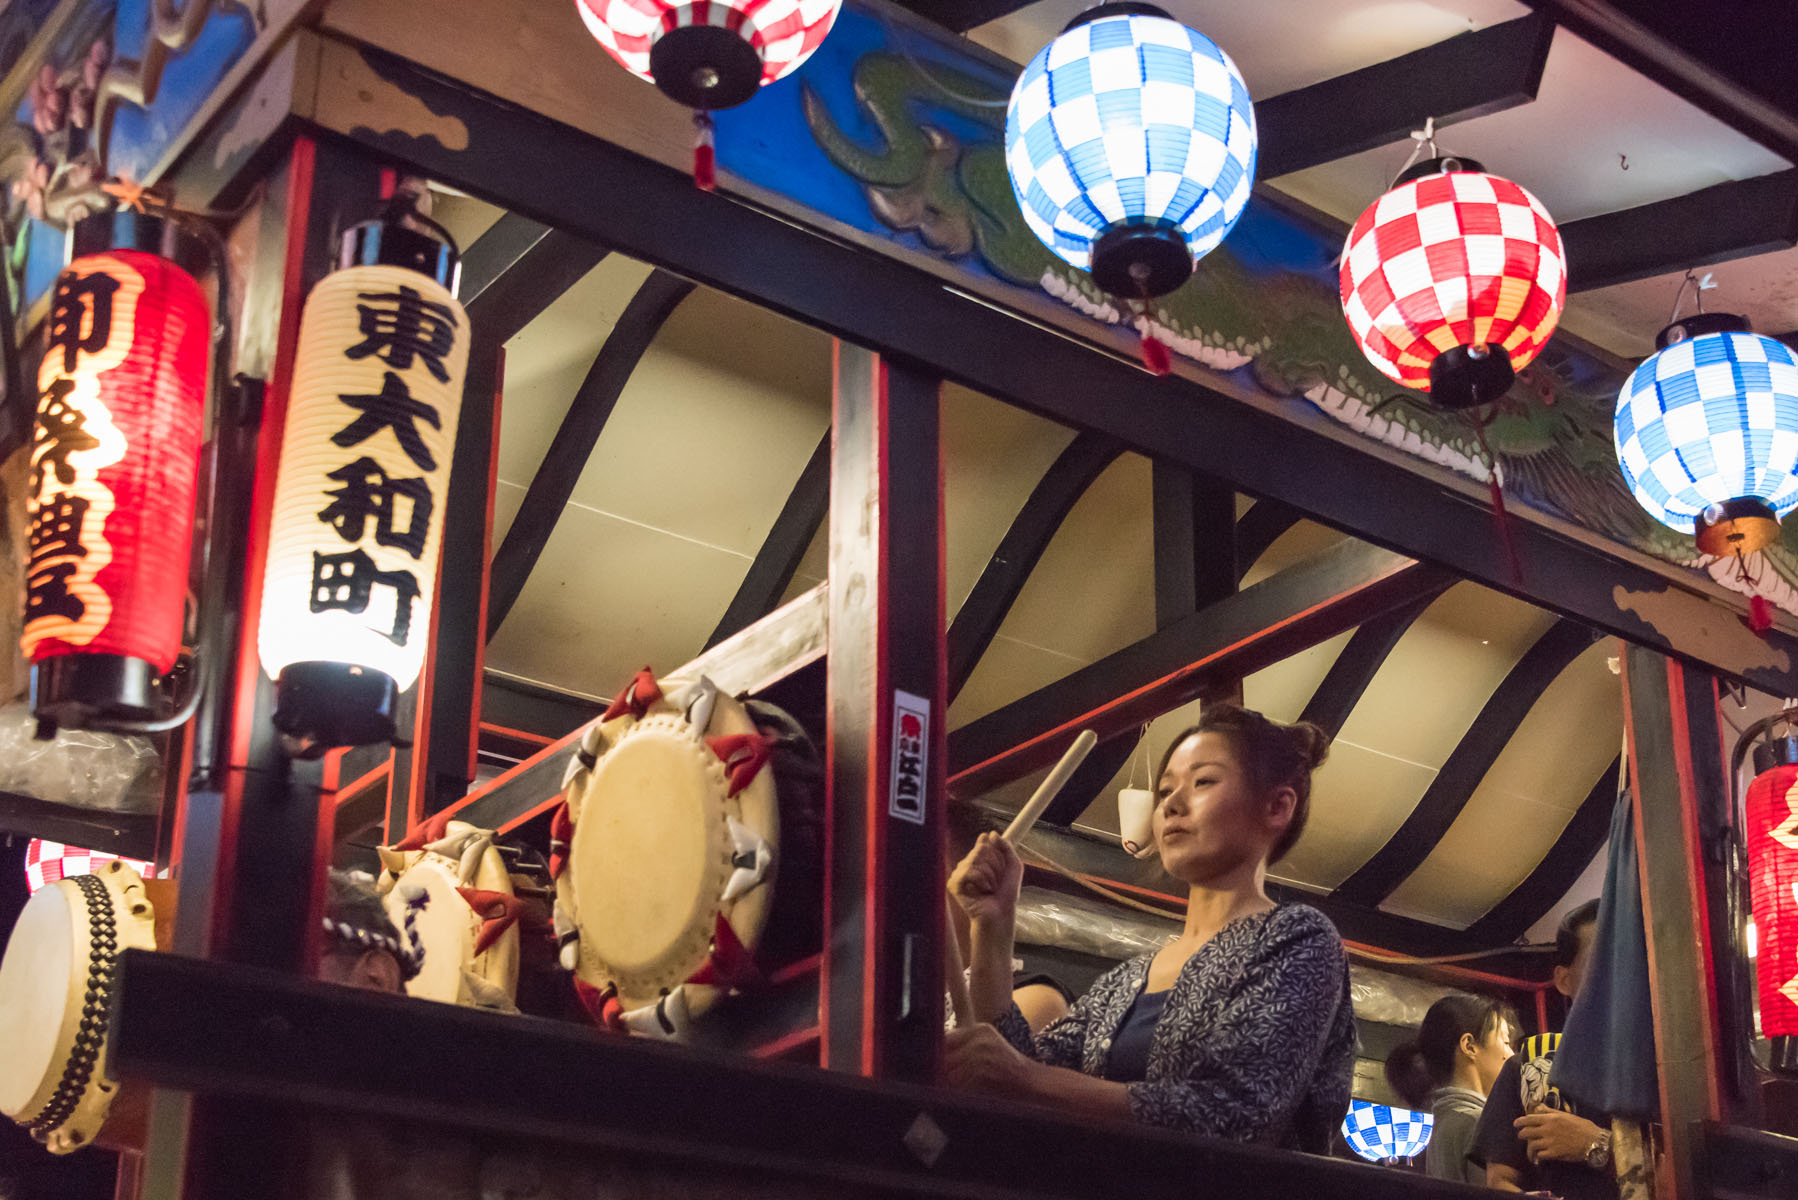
[
  {"x": 705, "y": 156},
  {"x": 1498, "y": 501},
  {"x": 1155, "y": 355},
  {"x": 744, "y": 754},
  {"x": 636, "y": 697},
  {"x": 1760, "y": 613},
  {"x": 561, "y": 832},
  {"x": 602, "y": 1008},
  {"x": 498, "y": 913},
  {"x": 730, "y": 965}
]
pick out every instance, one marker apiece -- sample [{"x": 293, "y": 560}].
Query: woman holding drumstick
[{"x": 1241, "y": 1027}]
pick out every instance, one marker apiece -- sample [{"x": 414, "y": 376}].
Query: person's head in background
[
  {"x": 1463, "y": 1042},
  {"x": 1573, "y": 947},
  {"x": 361, "y": 947}
]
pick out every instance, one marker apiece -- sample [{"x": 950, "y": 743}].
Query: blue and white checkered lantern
[
  {"x": 1707, "y": 433},
  {"x": 1381, "y": 1133},
  {"x": 1130, "y": 141}
]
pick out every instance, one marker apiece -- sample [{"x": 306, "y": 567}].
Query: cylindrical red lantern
[
  {"x": 1453, "y": 280},
  {"x": 1772, "y": 832},
  {"x": 114, "y": 464}
]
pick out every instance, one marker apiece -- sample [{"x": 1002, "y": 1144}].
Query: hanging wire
[
  {"x": 1698, "y": 287},
  {"x": 1420, "y": 138}
]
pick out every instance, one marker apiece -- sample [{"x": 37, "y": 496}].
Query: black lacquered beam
[
  {"x": 260, "y": 1036},
  {"x": 1470, "y": 75},
  {"x": 1296, "y": 608},
  {"x": 1360, "y": 660},
  {"x": 567, "y": 455},
  {"x": 1467, "y": 764},
  {"x": 771, "y": 573},
  {"x": 1731, "y": 220},
  {"x": 516, "y": 269},
  {"x": 978, "y": 619}
]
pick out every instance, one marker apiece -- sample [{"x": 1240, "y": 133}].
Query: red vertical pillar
[{"x": 881, "y": 992}]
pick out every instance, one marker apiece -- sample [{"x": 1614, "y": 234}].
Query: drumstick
[
  {"x": 960, "y": 1002},
  {"x": 1046, "y": 791}
]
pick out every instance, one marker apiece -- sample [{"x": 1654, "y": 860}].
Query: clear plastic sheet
[
  {"x": 107, "y": 771},
  {"x": 1047, "y": 918}
]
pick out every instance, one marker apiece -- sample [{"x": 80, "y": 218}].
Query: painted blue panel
[{"x": 140, "y": 137}]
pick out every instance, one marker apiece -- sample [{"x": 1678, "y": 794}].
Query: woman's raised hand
[{"x": 986, "y": 882}]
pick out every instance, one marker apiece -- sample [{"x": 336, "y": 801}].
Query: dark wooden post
[
  {"x": 1680, "y": 788},
  {"x": 881, "y": 991}
]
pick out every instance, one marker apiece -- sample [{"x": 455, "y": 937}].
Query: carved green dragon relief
[{"x": 1263, "y": 319}]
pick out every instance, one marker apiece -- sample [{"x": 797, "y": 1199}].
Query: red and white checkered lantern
[
  {"x": 1772, "y": 816},
  {"x": 46, "y": 862},
  {"x": 1453, "y": 280},
  {"x": 710, "y": 53}
]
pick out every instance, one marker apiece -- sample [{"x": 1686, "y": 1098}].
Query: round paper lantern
[
  {"x": 710, "y": 53},
  {"x": 114, "y": 462},
  {"x": 1771, "y": 814},
  {"x": 1381, "y": 1133},
  {"x": 1707, "y": 433},
  {"x": 1130, "y": 142},
  {"x": 360, "y": 493},
  {"x": 46, "y": 862},
  {"x": 1453, "y": 280}
]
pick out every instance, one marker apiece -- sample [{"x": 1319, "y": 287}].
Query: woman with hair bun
[
  {"x": 1239, "y": 1028},
  {"x": 1449, "y": 1070}
]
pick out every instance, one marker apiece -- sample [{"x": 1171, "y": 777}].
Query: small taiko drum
[
  {"x": 687, "y": 855},
  {"x": 56, "y": 984},
  {"x": 450, "y": 894}
]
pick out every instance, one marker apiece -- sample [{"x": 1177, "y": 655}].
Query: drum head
[
  {"x": 448, "y": 929},
  {"x": 37, "y": 984},
  {"x": 652, "y": 852},
  {"x": 55, "y": 993}
]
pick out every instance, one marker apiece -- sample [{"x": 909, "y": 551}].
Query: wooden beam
[
  {"x": 1360, "y": 660},
  {"x": 1299, "y": 607},
  {"x": 1470, "y": 75},
  {"x": 516, "y": 269},
  {"x": 1729, "y": 221},
  {"x": 1467, "y": 764},
  {"x": 880, "y": 1002},
  {"x": 1259, "y": 528},
  {"x": 978, "y": 619},
  {"x": 771, "y": 573},
  {"x": 1581, "y": 840},
  {"x": 567, "y": 455}
]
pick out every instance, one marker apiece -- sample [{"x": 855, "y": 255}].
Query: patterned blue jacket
[{"x": 1257, "y": 1042}]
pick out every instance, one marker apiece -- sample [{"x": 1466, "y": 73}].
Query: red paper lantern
[
  {"x": 1453, "y": 280},
  {"x": 1772, "y": 817},
  {"x": 46, "y": 862},
  {"x": 114, "y": 463}
]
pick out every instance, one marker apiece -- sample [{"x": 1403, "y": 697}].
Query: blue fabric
[
  {"x": 1606, "y": 1060},
  {"x": 1128, "y": 1061}
]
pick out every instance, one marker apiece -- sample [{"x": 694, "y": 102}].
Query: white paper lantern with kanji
[{"x": 360, "y": 496}]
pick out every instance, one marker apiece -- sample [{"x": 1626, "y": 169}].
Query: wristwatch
[{"x": 1598, "y": 1154}]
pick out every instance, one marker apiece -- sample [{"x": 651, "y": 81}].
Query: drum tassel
[{"x": 637, "y": 696}]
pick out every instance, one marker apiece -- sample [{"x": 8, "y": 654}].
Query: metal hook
[{"x": 1699, "y": 288}]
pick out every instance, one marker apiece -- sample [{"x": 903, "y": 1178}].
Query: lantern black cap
[
  {"x": 1120, "y": 8},
  {"x": 1437, "y": 166},
  {"x": 1697, "y": 325},
  {"x": 1739, "y": 526},
  {"x": 703, "y": 66},
  {"x": 128, "y": 229},
  {"x": 1775, "y": 752},
  {"x": 1139, "y": 259},
  {"x": 1465, "y": 376},
  {"x": 92, "y": 691},
  {"x": 320, "y": 706},
  {"x": 389, "y": 243}
]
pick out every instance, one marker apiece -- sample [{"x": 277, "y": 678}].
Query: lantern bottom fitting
[
  {"x": 1140, "y": 259},
  {"x": 1468, "y": 375},
  {"x": 320, "y": 706},
  {"x": 1739, "y": 526},
  {"x": 78, "y": 691},
  {"x": 705, "y": 66}
]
